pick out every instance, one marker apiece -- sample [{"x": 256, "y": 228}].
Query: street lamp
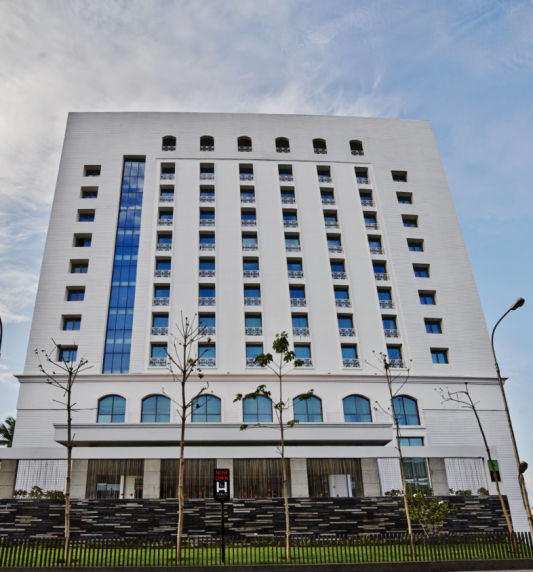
[{"x": 520, "y": 466}]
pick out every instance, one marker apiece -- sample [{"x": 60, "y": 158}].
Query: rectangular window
[
  {"x": 421, "y": 270},
  {"x": 253, "y": 350},
  {"x": 160, "y": 320},
  {"x": 162, "y": 264},
  {"x": 250, "y": 264},
  {"x": 67, "y": 353},
  {"x": 297, "y": 292},
  {"x": 439, "y": 355},
  {"x": 349, "y": 352},
  {"x": 287, "y": 196},
  {"x": 164, "y": 239},
  {"x": 294, "y": 265},
  {"x": 207, "y": 263},
  {"x": 71, "y": 323},
  {"x": 89, "y": 192},
  {"x": 253, "y": 321},
  {"x": 85, "y": 216},
  {"x": 252, "y": 292},
  {"x": 207, "y": 351},
  {"x": 247, "y": 195},
  {"x": 92, "y": 170},
  {"x": 207, "y": 320},
  {"x": 366, "y": 198},
  {"x": 206, "y": 292},
  {"x": 303, "y": 352},
  {"x": 79, "y": 266},
  {"x": 427, "y": 298},
  {"x": 161, "y": 291},
  {"x": 433, "y": 326},
  {"x": 416, "y": 473},
  {"x": 82, "y": 240},
  {"x": 410, "y": 221},
  {"x": 399, "y": 176},
  {"x": 158, "y": 351},
  {"x": 166, "y": 193},
  {"x": 384, "y": 295},
  {"x": 415, "y": 245},
  {"x": 411, "y": 441},
  {"x": 75, "y": 294},
  {"x": 405, "y": 198}
]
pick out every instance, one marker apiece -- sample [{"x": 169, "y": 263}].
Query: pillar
[
  {"x": 370, "y": 474},
  {"x": 439, "y": 480},
  {"x": 299, "y": 484},
  {"x": 227, "y": 464},
  {"x": 152, "y": 479},
  {"x": 78, "y": 478},
  {"x": 8, "y": 474}
]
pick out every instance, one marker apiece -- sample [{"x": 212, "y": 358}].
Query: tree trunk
[
  {"x": 66, "y": 557},
  {"x": 180, "y": 487},
  {"x": 285, "y": 499}
]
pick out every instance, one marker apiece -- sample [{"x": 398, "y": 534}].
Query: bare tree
[
  {"x": 464, "y": 399},
  {"x": 184, "y": 361},
  {"x": 284, "y": 362},
  {"x": 62, "y": 374}
]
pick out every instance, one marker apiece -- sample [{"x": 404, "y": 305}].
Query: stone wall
[{"x": 29, "y": 518}]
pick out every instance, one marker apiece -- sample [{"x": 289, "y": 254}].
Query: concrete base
[{"x": 8, "y": 474}]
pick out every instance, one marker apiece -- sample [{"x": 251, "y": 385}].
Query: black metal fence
[{"x": 206, "y": 551}]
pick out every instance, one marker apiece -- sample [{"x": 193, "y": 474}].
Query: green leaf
[
  {"x": 243, "y": 427},
  {"x": 238, "y": 397}
]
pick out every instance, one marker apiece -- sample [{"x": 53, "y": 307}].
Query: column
[
  {"x": 299, "y": 484},
  {"x": 78, "y": 478},
  {"x": 8, "y": 474},
  {"x": 439, "y": 480},
  {"x": 370, "y": 474},
  {"x": 227, "y": 464},
  {"x": 152, "y": 479}
]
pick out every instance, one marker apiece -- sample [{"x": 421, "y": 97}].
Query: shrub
[{"x": 429, "y": 512}]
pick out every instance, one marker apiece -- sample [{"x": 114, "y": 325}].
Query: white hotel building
[{"x": 339, "y": 230}]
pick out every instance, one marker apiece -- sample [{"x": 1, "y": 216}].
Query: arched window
[
  {"x": 356, "y": 409},
  {"x": 257, "y": 410},
  {"x": 169, "y": 143},
  {"x": 307, "y": 410},
  {"x": 207, "y": 143},
  {"x": 406, "y": 410},
  {"x": 319, "y": 146},
  {"x": 244, "y": 144},
  {"x": 111, "y": 409},
  {"x": 282, "y": 145},
  {"x": 155, "y": 409},
  {"x": 206, "y": 409},
  {"x": 356, "y": 147}
]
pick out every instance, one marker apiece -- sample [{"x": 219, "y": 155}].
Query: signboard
[{"x": 221, "y": 485}]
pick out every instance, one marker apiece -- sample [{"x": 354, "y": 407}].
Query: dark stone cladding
[{"x": 247, "y": 517}]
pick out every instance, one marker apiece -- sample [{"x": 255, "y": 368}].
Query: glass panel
[
  {"x": 334, "y": 477},
  {"x": 115, "y": 478},
  {"x": 259, "y": 478},
  {"x": 206, "y": 409},
  {"x": 197, "y": 478}
]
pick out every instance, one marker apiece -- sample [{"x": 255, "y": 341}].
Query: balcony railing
[
  {"x": 250, "y": 273},
  {"x": 391, "y": 333},
  {"x": 320, "y": 151},
  {"x": 338, "y": 275},
  {"x": 163, "y": 199},
  {"x": 207, "y": 198},
  {"x": 351, "y": 363},
  {"x": 246, "y": 176},
  {"x": 343, "y": 303},
  {"x": 248, "y": 222},
  {"x": 207, "y": 147},
  {"x": 162, "y": 273},
  {"x": 381, "y": 276},
  {"x": 247, "y": 199},
  {"x": 208, "y": 330},
  {"x": 324, "y": 179},
  {"x": 288, "y": 200},
  {"x": 207, "y": 176},
  {"x": 300, "y": 332},
  {"x": 207, "y": 222},
  {"x": 367, "y": 202},
  {"x": 372, "y": 225},
  {"x": 206, "y": 301},
  {"x": 286, "y": 177},
  {"x": 357, "y": 152},
  {"x": 159, "y": 331},
  {"x": 362, "y": 180},
  {"x": 158, "y": 362},
  {"x": 168, "y": 176},
  {"x": 163, "y": 247},
  {"x": 296, "y": 274},
  {"x": 252, "y": 301},
  {"x": 249, "y": 246},
  {"x": 253, "y": 331},
  {"x": 290, "y": 223},
  {"x": 244, "y": 148},
  {"x": 335, "y": 249},
  {"x": 305, "y": 362},
  {"x": 207, "y": 362},
  {"x": 205, "y": 247},
  {"x": 206, "y": 273},
  {"x": 331, "y": 223},
  {"x": 168, "y": 148},
  {"x": 292, "y": 248},
  {"x": 159, "y": 301},
  {"x": 298, "y": 302},
  {"x": 386, "y": 304},
  {"x": 346, "y": 332},
  {"x": 250, "y": 362},
  {"x": 396, "y": 363},
  {"x": 165, "y": 222},
  {"x": 328, "y": 201},
  {"x": 376, "y": 250},
  {"x": 283, "y": 149}
]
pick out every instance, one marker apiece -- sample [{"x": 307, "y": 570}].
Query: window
[
  {"x": 399, "y": 176},
  {"x": 319, "y": 146},
  {"x": 345, "y": 324},
  {"x": 433, "y": 326},
  {"x": 394, "y": 353},
  {"x": 371, "y": 220},
  {"x": 207, "y": 171},
  {"x": 349, "y": 356},
  {"x": 247, "y": 195},
  {"x": 71, "y": 323},
  {"x": 166, "y": 216},
  {"x": 251, "y": 294},
  {"x": 248, "y": 217},
  {"x": 207, "y": 265},
  {"x": 92, "y": 170},
  {"x": 405, "y": 410},
  {"x": 282, "y": 145},
  {"x": 166, "y": 194},
  {"x": 249, "y": 241},
  {"x": 162, "y": 264},
  {"x": 294, "y": 265},
  {"x": 82, "y": 240},
  {"x": 439, "y": 355},
  {"x": 285, "y": 172},
  {"x": 361, "y": 175},
  {"x": 155, "y": 409},
  {"x": 86, "y": 216},
  {"x": 410, "y": 221},
  {"x": 300, "y": 325},
  {"x": 356, "y": 409},
  {"x": 89, "y": 192},
  {"x": 421, "y": 270},
  {"x": 207, "y": 216},
  {"x": 244, "y": 144},
  {"x": 330, "y": 218},
  {"x": 292, "y": 242},
  {"x": 334, "y": 242},
  {"x": 75, "y": 293},
  {"x": 161, "y": 291},
  {"x": 257, "y": 410},
  {"x": 206, "y": 409},
  {"x": 337, "y": 269},
  {"x": 384, "y": 294},
  {"x": 405, "y": 198},
  {"x": 341, "y": 293},
  {"x": 287, "y": 196},
  {"x": 160, "y": 321},
  {"x": 427, "y": 298},
  {"x": 303, "y": 352},
  {"x": 380, "y": 271},
  {"x": 206, "y": 292},
  {"x": 290, "y": 218},
  {"x": 374, "y": 243},
  {"x": 253, "y": 325},
  {"x": 164, "y": 240},
  {"x": 416, "y": 473},
  {"x": 389, "y": 326},
  {"x": 207, "y": 241},
  {"x": 297, "y": 292},
  {"x": 356, "y": 147},
  {"x": 307, "y": 410},
  {"x": 207, "y": 323},
  {"x": 252, "y": 351},
  {"x": 168, "y": 170},
  {"x": 415, "y": 245},
  {"x": 324, "y": 174},
  {"x": 67, "y": 353},
  {"x": 207, "y": 194},
  {"x": 366, "y": 198},
  {"x": 250, "y": 264},
  {"x": 168, "y": 143},
  {"x": 327, "y": 196},
  {"x": 111, "y": 409},
  {"x": 207, "y": 143},
  {"x": 411, "y": 441},
  {"x": 158, "y": 351},
  {"x": 207, "y": 354}
]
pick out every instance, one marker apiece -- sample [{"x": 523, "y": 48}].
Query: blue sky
[{"x": 466, "y": 66}]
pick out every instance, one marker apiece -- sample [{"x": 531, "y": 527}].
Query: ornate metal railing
[
  {"x": 207, "y": 222},
  {"x": 306, "y": 362},
  {"x": 249, "y": 246},
  {"x": 168, "y": 148},
  {"x": 207, "y": 198},
  {"x": 158, "y": 362},
  {"x": 288, "y": 200},
  {"x": 253, "y": 331},
  {"x": 247, "y": 199},
  {"x": 166, "y": 199},
  {"x": 207, "y": 176},
  {"x": 386, "y": 304},
  {"x": 331, "y": 223},
  {"x": 351, "y": 363},
  {"x": 207, "y": 362},
  {"x": 250, "y": 273},
  {"x": 300, "y": 332},
  {"x": 328, "y": 201},
  {"x": 246, "y": 176},
  {"x": 338, "y": 275},
  {"x": 290, "y": 223},
  {"x": 283, "y": 149},
  {"x": 286, "y": 177},
  {"x": 244, "y": 148},
  {"x": 320, "y": 151},
  {"x": 206, "y": 273},
  {"x": 162, "y": 273},
  {"x": 250, "y": 362},
  {"x": 205, "y": 247},
  {"x": 165, "y": 222},
  {"x": 343, "y": 303},
  {"x": 248, "y": 222},
  {"x": 372, "y": 225},
  {"x": 163, "y": 247},
  {"x": 252, "y": 301},
  {"x": 391, "y": 333},
  {"x": 168, "y": 176},
  {"x": 298, "y": 302},
  {"x": 335, "y": 249},
  {"x": 357, "y": 152},
  {"x": 367, "y": 202},
  {"x": 346, "y": 332},
  {"x": 362, "y": 180},
  {"x": 295, "y": 274},
  {"x": 207, "y": 147},
  {"x": 381, "y": 276},
  {"x": 396, "y": 363},
  {"x": 324, "y": 179},
  {"x": 160, "y": 301},
  {"x": 208, "y": 330},
  {"x": 159, "y": 331},
  {"x": 376, "y": 250},
  {"x": 206, "y": 301},
  {"x": 292, "y": 248}
]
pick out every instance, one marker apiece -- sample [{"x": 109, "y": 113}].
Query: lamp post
[{"x": 521, "y": 466}]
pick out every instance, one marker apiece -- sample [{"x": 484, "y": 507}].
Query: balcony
[
  {"x": 244, "y": 148},
  {"x": 288, "y": 200},
  {"x": 391, "y": 333},
  {"x": 290, "y": 223},
  {"x": 207, "y": 222},
  {"x": 207, "y": 198},
  {"x": 328, "y": 201},
  {"x": 386, "y": 304},
  {"x": 160, "y": 301},
  {"x": 165, "y": 222},
  {"x": 300, "y": 302},
  {"x": 206, "y": 273},
  {"x": 159, "y": 331},
  {"x": 207, "y": 330},
  {"x": 158, "y": 362},
  {"x": 168, "y": 148},
  {"x": 346, "y": 332},
  {"x": 246, "y": 176},
  {"x": 351, "y": 363},
  {"x": 250, "y": 362},
  {"x": 357, "y": 152},
  {"x": 367, "y": 203},
  {"x": 164, "y": 199},
  {"x": 376, "y": 250},
  {"x": 343, "y": 303},
  {"x": 162, "y": 273},
  {"x": 207, "y": 176},
  {"x": 320, "y": 151},
  {"x": 168, "y": 176},
  {"x": 331, "y": 223},
  {"x": 296, "y": 274},
  {"x": 305, "y": 362},
  {"x": 362, "y": 180},
  {"x": 286, "y": 178},
  {"x": 255, "y": 331},
  {"x": 283, "y": 149},
  {"x": 206, "y": 301},
  {"x": 292, "y": 248},
  {"x": 248, "y": 222},
  {"x": 250, "y": 273},
  {"x": 381, "y": 276},
  {"x": 338, "y": 275},
  {"x": 207, "y": 247},
  {"x": 249, "y": 247},
  {"x": 252, "y": 301},
  {"x": 335, "y": 249},
  {"x": 207, "y": 362},
  {"x": 300, "y": 332},
  {"x": 324, "y": 179},
  {"x": 163, "y": 247},
  {"x": 371, "y": 225},
  {"x": 396, "y": 363},
  {"x": 207, "y": 147},
  {"x": 247, "y": 199}
]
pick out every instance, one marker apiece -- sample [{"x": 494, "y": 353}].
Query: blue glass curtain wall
[{"x": 122, "y": 296}]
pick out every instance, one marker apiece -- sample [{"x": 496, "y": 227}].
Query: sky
[{"x": 467, "y": 66}]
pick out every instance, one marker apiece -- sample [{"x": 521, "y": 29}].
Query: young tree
[
  {"x": 61, "y": 372},
  {"x": 430, "y": 513},
  {"x": 7, "y": 432},
  {"x": 464, "y": 399},
  {"x": 184, "y": 362},
  {"x": 284, "y": 362}
]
